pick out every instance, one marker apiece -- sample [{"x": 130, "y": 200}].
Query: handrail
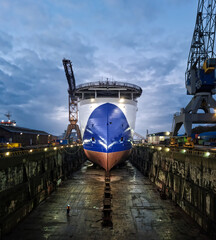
[
  {"x": 208, "y": 153},
  {"x": 18, "y": 152},
  {"x": 109, "y": 84}
]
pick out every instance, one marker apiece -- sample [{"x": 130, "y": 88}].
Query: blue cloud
[{"x": 5, "y": 43}]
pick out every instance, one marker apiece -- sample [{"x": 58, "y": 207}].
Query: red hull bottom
[{"x": 107, "y": 160}]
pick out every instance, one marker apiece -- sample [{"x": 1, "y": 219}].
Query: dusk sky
[{"x": 145, "y": 42}]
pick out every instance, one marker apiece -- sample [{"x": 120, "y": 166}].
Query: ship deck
[{"x": 102, "y": 89}]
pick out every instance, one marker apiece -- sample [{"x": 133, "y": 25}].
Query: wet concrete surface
[{"x": 138, "y": 212}]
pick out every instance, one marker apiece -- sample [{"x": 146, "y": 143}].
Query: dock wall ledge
[{"x": 188, "y": 177}]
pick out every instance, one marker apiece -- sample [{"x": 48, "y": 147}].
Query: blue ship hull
[{"x": 107, "y": 138}]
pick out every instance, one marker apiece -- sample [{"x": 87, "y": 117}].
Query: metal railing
[
  {"x": 109, "y": 84},
  {"x": 18, "y": 152},
  {"x": 208, "y": 153}
]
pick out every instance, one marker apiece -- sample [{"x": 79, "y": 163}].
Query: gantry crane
[
  {"x": 72, "y": 99},
  {"x": 200, "y": 75}
]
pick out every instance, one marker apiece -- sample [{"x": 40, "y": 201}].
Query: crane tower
[
  {"x": 72, "y": 99},
  {"x": 200, "y": 75}
]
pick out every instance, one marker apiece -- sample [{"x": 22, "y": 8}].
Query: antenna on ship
[
  {"x": 8, "y": 115},
  {"x": 9, "y": 122}
]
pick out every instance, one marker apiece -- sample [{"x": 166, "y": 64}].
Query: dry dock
[{"x": 138, "y": 212}]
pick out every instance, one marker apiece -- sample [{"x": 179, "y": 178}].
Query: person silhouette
[{"x": 68, "y": 209}]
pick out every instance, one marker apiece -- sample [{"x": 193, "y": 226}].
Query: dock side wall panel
[
  {"x": 27, "y": 179},
  {"x": 189, "y": 180}
]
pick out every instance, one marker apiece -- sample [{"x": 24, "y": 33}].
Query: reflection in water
[
  {"x": 86, "y": 165},
  {"x": 132, "y": 172},
  {"x": 83, "y": 169},
  {"x": 47, "y": 232},
  {"x": 97, "y": 177},
  {"x": 100, "y": 177},
  {"x": 115, "y": 178},
  {"x": 133, "y": 180},
  {"x": 68, "y": 219}
]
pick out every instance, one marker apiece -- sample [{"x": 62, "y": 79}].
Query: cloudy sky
[{"x": 145, "y": 42}]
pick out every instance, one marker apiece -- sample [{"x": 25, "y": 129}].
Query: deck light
[
  {"x": 121, "y": 100},
  {"x": 167, "y": 149},
  {"x": 30, "y": 150},
  {"x": 55, "y": 148},
  {"x": 207, "y": 154},
  {"x": 183, "y": 151},
  {"x": 7, "y": 153},
  {"x": 159, "y": 148},
  {"x": 45, "y": 149}
]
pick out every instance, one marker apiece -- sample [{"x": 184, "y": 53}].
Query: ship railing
[{"x": 109, "y": 83}]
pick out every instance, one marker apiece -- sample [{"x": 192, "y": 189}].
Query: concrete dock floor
[{"x": 138, "y": 212}]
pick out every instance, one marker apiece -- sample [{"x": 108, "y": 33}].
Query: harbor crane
[
  {"x": 72, "y": 99},
  {"x": 200, "y": 75}
]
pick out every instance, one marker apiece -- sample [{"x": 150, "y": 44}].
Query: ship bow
[{"x": 107, "y": 139}]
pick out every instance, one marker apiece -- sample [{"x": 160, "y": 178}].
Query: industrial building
[
  {"x": 25, "y": 136},
  {"x": 158, "y": 138}
]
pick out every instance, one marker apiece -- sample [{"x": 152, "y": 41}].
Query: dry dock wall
[
  {"x": 28, "y": 177},
  {"x": 187, "y": 177}
]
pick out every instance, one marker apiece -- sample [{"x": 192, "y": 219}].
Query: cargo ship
[{"x": 107, "y": 114}]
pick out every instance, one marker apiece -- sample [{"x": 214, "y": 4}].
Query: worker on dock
[{"x": 68, "y": 209}]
